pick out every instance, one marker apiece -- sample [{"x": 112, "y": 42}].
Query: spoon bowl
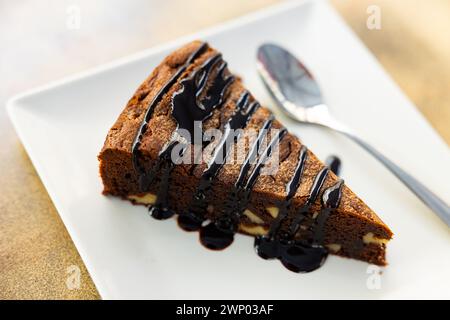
[
  {"x": 298, "y": 94},
  {"x": 292, "y": 86}
]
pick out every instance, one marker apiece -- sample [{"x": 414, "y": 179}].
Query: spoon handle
[{"x": 427, "y": 196}]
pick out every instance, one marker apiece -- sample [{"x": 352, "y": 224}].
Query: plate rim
[{"x": 14, "y": 103}]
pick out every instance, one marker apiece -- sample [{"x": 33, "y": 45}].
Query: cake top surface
[{"x": 166, "y": 82}]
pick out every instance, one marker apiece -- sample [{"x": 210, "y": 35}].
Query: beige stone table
[{"x": 42, "y": 41}]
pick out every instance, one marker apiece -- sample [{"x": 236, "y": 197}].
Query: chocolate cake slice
[{"x": 194, "y": 143}]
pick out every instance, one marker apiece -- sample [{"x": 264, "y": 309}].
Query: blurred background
[{"x": 44, "y": 40}]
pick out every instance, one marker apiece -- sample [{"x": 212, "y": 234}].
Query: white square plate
[{"x": 130, "y": 255}]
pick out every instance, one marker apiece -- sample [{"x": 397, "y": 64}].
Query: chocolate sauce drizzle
[
  {"x": 300, "y": 255},
  {"x": 191, "y": 105},
  {"x": 220, "y": 234},
  {"x": 202, "y": 92},
  {"x": 334, "y": 163},
  {"x": 143, "y": 184},
  {"x": 235, "y": 203},
  {"x": 291, "y": 189},
  {"x": 194, "y": 217},
  {"x": 193, "y": 221},
  {"x": 195, "y": 102}
]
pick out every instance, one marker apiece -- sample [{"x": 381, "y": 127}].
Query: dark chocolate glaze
[
  {"x": 194, "y": 217},
  {"x": 330, "y": 201},
  {"x": 301, "y": 213},
  {"x": 202, "y": 92},
  {"x": 190, "y": 221},
  {"x": 263, "y": 158},
  {"x": 334, "y": 163},
  {"x": 235, "y": 203},
  {"x": 195, "y": 102},
  {"x": 255, "y": 149},
  {"x": 227, "y": 225},
  {"x": 160, "y": 209},
  {"x": 213, "y": 238},
  {"x": 143, "y": 184},
  {"x": 291, "y": 189},
  {"x": 301, "y": 255}
]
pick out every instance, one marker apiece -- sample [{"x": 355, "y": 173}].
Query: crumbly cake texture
[{"x": 352, "y": 230}]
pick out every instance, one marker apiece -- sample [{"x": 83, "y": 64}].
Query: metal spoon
[{"x": 298, "y": 94}]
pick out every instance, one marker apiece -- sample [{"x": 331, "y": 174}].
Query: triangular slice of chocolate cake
[{"x": 194, "y": 143}]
